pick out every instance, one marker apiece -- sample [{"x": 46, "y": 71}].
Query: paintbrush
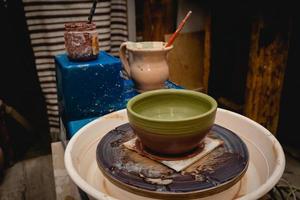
[{"x": 174, "y": 35}]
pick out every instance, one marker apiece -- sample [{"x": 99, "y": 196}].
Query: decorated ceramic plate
[{"x": 216, "y": 172}]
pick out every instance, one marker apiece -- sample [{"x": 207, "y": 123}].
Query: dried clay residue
[
  {"x": 144, "y": 167},
  {"x": 217, "y": 166}
]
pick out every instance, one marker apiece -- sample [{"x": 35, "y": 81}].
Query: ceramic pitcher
[{"x": 147, "y": 66}]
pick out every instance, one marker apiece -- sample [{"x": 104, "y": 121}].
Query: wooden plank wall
[
  {"x": 249, "y": 76},
  {"x": 207, "y": 50},
  {"x": 267, "y": 64},
  {"x": 186, "y": 60},
  {"x": 155, "y": 18}
]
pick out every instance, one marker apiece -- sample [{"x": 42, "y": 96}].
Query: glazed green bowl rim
[{"x": 157, "y": 92}]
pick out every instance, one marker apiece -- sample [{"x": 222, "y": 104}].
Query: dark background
[{"x": 19, "y": 86}]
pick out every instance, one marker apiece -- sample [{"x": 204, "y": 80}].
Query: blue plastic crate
[{"x": 88, "y": 89}]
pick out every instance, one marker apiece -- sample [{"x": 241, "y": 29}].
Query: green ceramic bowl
[{"x": 171, "y": 121}]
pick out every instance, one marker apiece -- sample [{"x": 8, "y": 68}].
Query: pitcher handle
[{"x": 122, "y": 54}]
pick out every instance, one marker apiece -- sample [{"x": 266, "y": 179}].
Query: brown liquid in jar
[{"x": 81, "y": 41}]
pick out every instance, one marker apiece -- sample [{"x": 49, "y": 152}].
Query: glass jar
[{"x": 81, "y": 41}]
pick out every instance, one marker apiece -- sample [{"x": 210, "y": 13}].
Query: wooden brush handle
[{"x": 173, "y": 37}]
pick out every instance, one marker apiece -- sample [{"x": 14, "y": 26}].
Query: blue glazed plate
[{"x": 214, "y": 173}]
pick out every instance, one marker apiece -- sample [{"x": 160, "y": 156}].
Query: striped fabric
[{"x": 46, "y": 19}]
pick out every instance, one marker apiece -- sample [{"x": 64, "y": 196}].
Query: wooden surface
[
  {"x": 267, "y": 63},
  {"x": 207, "y": 50},
  {"x": 186, "y": 60},
  {"x": 29, "y": 179},
  {"x": 155, "y": 18},
  {"x": 64, "y": 187}
]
